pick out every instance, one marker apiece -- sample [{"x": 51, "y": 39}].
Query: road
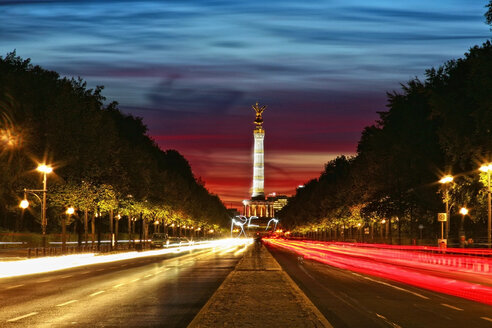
[
  {"x": 155, "y": 291},
  {"x": 351, "y": 299}
]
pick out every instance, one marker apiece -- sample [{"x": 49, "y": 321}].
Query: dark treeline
[
  {"x": 439, "y": 126},
  {"x": 104, "y": 161}
]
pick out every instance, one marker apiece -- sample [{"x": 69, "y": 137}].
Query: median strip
[{"x": 258, "y": 293}]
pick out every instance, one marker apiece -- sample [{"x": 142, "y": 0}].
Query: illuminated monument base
[{"x": 266, "y": 208}]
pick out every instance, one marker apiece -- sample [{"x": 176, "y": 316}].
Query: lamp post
[
  {"x": 445, "y": 181},
  {"x": 45, "y": 169},
  {"x": 463, "y": 212},
  {"x": 488, "y": 168},
  {"x": 69, "y": 212}
]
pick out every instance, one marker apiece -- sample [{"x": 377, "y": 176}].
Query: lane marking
[
  {"x": 392, "y": 324},
  {"x": 16, "y": 286},
  {"x": 486, "y": 319},
  {"x": 100, "y": 270},
  {"x": 452, "y": 307},
  {"x": 66, "y": 303},
  {"x": 45, "y": 280},
  {"x": 22, "y": 317},
  {"x": 119, "y": 285},
  {"x": 123, "y": 265},
  {"x": 85, "y": 272},
  {"x": 149, "y": 275},
  {"x": 134, "y": 280},
  {"x": 392, "y": 286},
  {"x": 67, "y": 276},
  {"x": 96, "y": 293}
]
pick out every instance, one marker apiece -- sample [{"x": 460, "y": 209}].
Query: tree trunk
[
  {"x": 64, "y": 234},
  {"x": 86, "y": 228},
  {"x": 116, "y": 228},
  {"x": 111, "y": 231},
  {"x": 93, "y": 229}
]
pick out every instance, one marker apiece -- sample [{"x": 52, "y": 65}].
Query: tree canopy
[
  {"x": 101, "y": 156},
  {"x": 438, "y": 126}
]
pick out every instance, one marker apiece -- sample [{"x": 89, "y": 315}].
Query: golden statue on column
[{"x": 259, "y": 110}]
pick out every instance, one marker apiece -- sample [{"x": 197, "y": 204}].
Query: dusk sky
[{"x": 192, "y": 70}]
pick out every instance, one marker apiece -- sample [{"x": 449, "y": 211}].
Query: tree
[{"x": 101, "y": 155}]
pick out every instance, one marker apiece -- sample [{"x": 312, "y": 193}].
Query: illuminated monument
[
  {"x": 258, "y": 205},
  {"x": 259, "y": 156}
]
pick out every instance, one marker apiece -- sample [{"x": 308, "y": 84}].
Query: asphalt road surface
[
  {"x": 156, "y": 291},
  {"x": 350, "y": 299}
]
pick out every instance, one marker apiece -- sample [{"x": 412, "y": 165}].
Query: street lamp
[
  {"x": 69, "y": 212},
  {"x": 463, "y": 212},
  {"x": 445, "y": 181},
  {"x": 488, "y": 168},
  {"x": 45, "y": 169}
]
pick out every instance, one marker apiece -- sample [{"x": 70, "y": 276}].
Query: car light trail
[
  {"x": 395, "y": 265},
  {"x": 48, "y": 264}
]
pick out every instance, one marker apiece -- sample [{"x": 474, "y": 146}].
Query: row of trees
[
  {"x": 438, "y": 126},
  {"x": 104, "y": 162}
]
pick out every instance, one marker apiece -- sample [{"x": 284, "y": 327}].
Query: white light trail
[{"x": 48, "y": 264}]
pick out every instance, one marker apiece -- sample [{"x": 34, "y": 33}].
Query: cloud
[{"x": 173, "y": 95}]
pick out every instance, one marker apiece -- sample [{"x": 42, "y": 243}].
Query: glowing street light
[
  {"x": 24, "y": 204},
  {"x": 43, "y": 168},
  {"x": 488, "y": 168},
  {"x": 445, "y": 181},
  {"x": 69, "y": 212},
  {"x": 463, "y": 212}
]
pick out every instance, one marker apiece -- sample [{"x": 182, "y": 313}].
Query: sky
[{"x": 193, "y": 69}]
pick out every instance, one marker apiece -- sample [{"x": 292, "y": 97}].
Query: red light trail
[{"x": 461, "y": 273}]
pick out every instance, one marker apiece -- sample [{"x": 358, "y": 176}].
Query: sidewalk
[{"x": 258, "y": 293}]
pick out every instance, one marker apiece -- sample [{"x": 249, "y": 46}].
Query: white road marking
[
  {"x": 67, "y": 276},
  {"x": 452, "y": 307},
  {"x": 392, "y": 286},
  {"x": 149, "y": 275},
  {"x": 66, "y": 303},
  {"x": 16, "y": 286},
  {"x": 119, "y": 285},
  {"x": 96, "y": 293},
  {"x": 134, "y": 280},
  {"x": 85, "y": 272},
  {"x": 22, "y": 317},
  {"x": 392, "y": 324},
  {"x": 486, "y": 319}
]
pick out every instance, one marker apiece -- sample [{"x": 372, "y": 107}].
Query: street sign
[{"x": 442, "y": 217}]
